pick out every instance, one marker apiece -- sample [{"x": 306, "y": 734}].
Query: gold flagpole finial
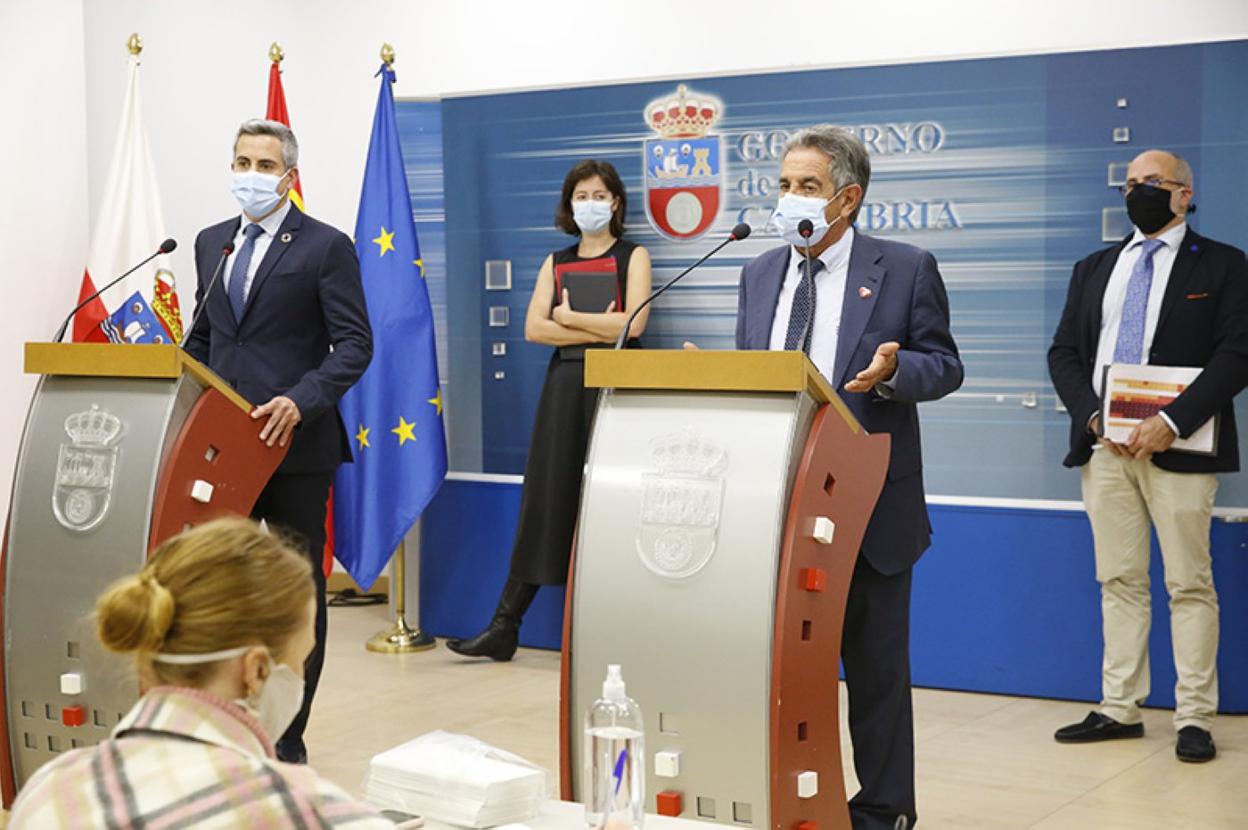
[
  {"x": 387, "y": 54},
  {"x": 135, "y": 44},
  {"x": 275, "y": 53}
]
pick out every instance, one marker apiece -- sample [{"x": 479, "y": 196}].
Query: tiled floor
[{"x": 983, "y": 761}]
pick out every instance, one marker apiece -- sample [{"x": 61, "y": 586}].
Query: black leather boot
[{"x": 501, "y": 637}]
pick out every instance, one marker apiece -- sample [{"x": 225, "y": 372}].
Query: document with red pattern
[{"x": 1134, "y": 392}]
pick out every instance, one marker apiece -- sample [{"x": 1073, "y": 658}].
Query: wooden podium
[
  {"x": 726, "y": 496},
  {"x": 123, "y": 447}
]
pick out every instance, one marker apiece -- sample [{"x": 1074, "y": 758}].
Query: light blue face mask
[
  {"x": 792, "y": 209},
  {"x": 591, "y": 215},
  {"x": 256, "y": 192}
]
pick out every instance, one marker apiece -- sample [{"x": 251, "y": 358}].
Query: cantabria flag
[{"x": 129, "y": 226}]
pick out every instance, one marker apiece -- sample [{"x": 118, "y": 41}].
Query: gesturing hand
[
  {"x": 883, "y": 366},
  {"x": 283, "y": 415}
]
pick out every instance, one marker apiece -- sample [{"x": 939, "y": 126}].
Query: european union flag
[{"x": 394, "y": 412}]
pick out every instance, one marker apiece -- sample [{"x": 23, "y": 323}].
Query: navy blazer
[
  {"x": 1203, "y": 322},
  {"x": 906, "y": 303},
  {"x": 306, "y": 298}
]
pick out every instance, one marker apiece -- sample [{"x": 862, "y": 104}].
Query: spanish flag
[{"x": 277, "y": 110}]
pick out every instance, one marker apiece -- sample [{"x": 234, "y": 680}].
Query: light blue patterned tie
[
  {"x": 1130, "y": 345},
  {"x": 238, "y": 273},
  {"x": 803, "y": 308}
]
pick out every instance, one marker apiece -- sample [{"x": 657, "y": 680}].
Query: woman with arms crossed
[{"x": 592, "y": 206}]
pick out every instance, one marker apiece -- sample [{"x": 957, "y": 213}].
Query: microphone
[
  {"x": 805, "y": 230},
  {"x": 741, "y": 231},
  {"x": 226, "y": 250},
  {"x": 165, "y": 247}
]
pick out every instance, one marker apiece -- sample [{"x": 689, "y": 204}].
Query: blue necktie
[
  {"x": 801, "y": 313},
  {"x": 1130, "y": 345},
  {"x": 238, "y": 273}
]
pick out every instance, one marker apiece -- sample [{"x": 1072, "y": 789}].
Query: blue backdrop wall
[{"x": 1004, "y": 168}]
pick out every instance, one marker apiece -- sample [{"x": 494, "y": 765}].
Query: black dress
[{"x": 552, "y": 475}]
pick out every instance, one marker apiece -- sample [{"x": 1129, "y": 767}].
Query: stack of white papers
[{"x": 456, "y": 780}]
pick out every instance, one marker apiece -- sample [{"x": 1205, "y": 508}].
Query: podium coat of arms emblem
[{"x": 86, "y": 469}]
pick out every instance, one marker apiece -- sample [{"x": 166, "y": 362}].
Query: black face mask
[{"x": 1149, "y": 208}]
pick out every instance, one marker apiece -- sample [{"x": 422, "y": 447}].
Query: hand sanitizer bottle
[{"x": 615, "y": 759}]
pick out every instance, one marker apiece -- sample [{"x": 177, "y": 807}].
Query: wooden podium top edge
[
  {"x": 711, "y": 371},
  {"x": 119, "y": 360}
]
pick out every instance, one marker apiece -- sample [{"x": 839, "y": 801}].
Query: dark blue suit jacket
[
  {"x": 907, "y": 304},
  {"x": 305, "y": 298}
]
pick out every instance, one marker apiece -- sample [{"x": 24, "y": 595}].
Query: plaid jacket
[{"x": 184, "y": 758}]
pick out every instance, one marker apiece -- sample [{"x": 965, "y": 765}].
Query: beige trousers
[{"x": 1121, "y": 496}]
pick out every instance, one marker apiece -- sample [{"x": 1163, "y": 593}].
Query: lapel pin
[
  {"x": 864, "y": 292},
  {"x": 286, "y": 237}
]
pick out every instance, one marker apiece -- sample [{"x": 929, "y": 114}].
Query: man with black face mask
[{"x": 1164, "y": 296}]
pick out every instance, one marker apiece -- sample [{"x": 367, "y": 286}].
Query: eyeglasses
[{"x": 1150, "y": 181}]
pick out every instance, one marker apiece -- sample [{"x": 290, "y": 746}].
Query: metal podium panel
[
  {"x": 80, "y": 516},
  {"x": 676, "y": 562}
]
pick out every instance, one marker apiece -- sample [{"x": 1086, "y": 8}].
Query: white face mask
[
  {"x": 591, "y": 215},
  {"x": 256, "y": 192},
  {"x": 792, "y": 209},
  {"x": 278, "y": 700}
]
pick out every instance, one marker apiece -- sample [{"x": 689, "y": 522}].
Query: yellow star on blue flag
[
  {"x": 385, "y": 241},
  {"x": 404, "y": 431},
  {"x": 380, "y": 496}
]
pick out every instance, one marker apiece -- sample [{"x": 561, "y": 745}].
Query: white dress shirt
[
  {"x": 1116, "y": 295},
  {"x": 829, "y": 297},
  {"x": 270, "y": 225}
]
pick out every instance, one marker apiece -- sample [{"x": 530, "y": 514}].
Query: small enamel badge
[
  {"x": 286, "y": 237},
  {"x": 864, "y": 292}
]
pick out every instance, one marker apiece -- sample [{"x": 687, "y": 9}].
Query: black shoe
[
  {"x": 1097, "y": 727},
  {"x": 1195, "y": 745},
  {"x": 502, "y": 635},
  {"x": 497, "y": 642},
  {"x": 292, "y": 753}
]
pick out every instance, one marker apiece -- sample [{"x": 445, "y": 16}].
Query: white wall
[
  {"x": 43, "y": 212},
  {"x": 63, "y": 62},
  {"x": 206, "y": 64}
]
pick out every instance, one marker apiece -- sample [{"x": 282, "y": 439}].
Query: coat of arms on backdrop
[{"x": 684, "y": 165}]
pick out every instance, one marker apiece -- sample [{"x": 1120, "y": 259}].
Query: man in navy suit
[
  {"x": 286, "y": 326},
  {"x": 874, "y": 317},
  {"x": 1169, "y": 297}
]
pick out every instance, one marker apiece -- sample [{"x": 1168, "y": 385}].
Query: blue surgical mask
[
  {"x": 792, "y": 209},
  {"x": 591, "y": 215},
  {"x": 256, "y": 192}
]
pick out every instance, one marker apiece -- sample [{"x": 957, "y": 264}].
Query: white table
[{"x": 567, "y": 815}]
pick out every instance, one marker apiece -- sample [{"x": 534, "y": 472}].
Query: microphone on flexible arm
[
  {"x": 165, "y": 247},
  {"x": 806, "y": 230},
  {"x": 226, "y": 250},
  {"x": 741, "y": 231}
]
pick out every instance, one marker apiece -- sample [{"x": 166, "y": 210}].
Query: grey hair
[
  {"x": 261, "y": 126},
  {"x": 848, "y": 162}
]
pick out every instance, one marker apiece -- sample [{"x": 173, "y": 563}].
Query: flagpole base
[{"x": 400, "y": 639}]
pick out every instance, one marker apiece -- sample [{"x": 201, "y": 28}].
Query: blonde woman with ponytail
[{"x": 219, "y": 621}]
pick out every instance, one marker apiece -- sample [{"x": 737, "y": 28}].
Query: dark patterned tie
[
  {"x": 1130, "y": 345},
  {"x": 238, "y": 273},
  {"x": 801, "y": 314}
]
